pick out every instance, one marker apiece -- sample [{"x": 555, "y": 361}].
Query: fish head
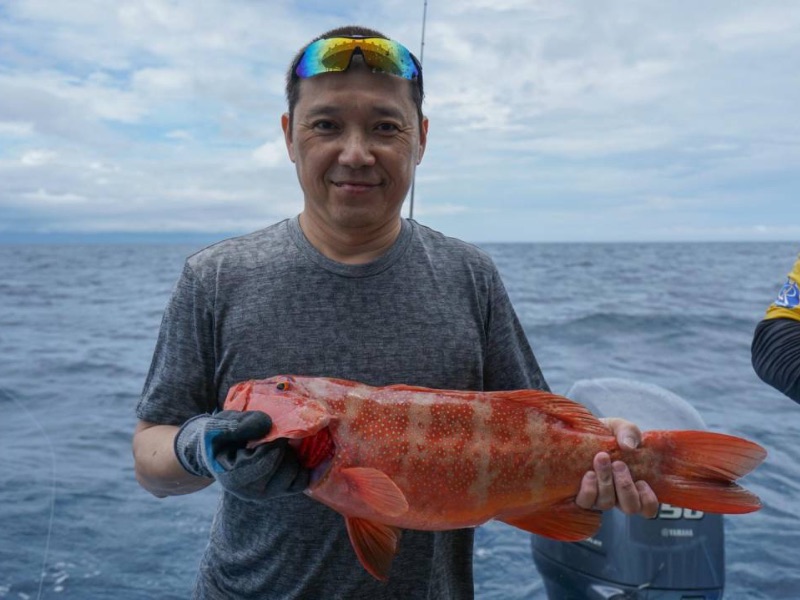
[{"x": 295, "y": 412}]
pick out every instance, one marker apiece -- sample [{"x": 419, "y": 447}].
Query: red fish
[{"x": 395, "y": 457}]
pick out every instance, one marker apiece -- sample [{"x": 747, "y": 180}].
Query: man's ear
[
  {"x": 286, "y": 125},
  {"x": 423, "y": 138}
]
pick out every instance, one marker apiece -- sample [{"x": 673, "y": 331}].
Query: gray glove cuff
[{"x": 188, "y": 446}]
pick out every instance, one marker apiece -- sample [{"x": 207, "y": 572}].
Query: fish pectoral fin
[
  {"x": 375, "y": 489},
  {"x": 375, "y": 545},
  {"x": 566, "y": 522}
]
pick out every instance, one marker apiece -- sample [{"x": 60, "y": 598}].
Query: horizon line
[{"x": 211, "y": 237}]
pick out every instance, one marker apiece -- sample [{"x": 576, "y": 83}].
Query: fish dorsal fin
[
  {"x": 375, "y": 489},
  {"x": 375, "y": 545},
  {"x": 402, "y": 387},
  {"x": 565, "y": 522},
  {"x": 569, "y": 412}
]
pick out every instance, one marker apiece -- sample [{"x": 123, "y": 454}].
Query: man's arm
[
  {"x": 156, "y": 465},
  {"x": 776, "y": 355}
]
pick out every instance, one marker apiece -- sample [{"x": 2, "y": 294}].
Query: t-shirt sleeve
[
  {"x": 510, "y": 363},
  {"x": 180, "y": 383},
  {"x": 787, "y": 304}
]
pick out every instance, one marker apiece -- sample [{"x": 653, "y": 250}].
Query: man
[
  {"x": 776, "y": 341},
  {"x": 348, "y": 289}
]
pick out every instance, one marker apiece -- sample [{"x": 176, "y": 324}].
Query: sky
[{"x": 550, "y": 121}]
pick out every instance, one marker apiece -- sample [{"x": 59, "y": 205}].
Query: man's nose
[{"x": 356, "y": 150}]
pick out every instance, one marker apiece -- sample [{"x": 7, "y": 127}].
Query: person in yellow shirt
[{"x": 776, "y": 342}]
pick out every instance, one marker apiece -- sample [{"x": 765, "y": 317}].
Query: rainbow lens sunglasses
[{"x": 335, "y": 54}]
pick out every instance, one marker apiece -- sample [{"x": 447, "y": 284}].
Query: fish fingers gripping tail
[{"x": 698, "y": 469}]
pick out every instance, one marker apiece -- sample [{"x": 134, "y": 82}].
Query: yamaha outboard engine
[{"x": 679, "y": 555}]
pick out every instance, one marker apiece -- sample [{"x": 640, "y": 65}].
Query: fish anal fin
[
  {"x": 566, "y": 522},
  {"x": 375, "y": 545},
  {"x": 375, "y": 489}
]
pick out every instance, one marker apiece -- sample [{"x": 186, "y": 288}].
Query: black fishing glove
[{"x": 216, "y": 446}]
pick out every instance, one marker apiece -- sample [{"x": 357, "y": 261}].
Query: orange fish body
[{"x": 402, "y": 457}]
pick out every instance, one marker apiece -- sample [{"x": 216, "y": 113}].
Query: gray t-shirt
[{"x": 431, "y": 311}]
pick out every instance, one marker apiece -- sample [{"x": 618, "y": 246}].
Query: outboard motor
[{"x": 679, "y": 555}]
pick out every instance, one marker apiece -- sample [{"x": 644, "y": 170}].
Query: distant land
[{"x": 62, "y": 237}]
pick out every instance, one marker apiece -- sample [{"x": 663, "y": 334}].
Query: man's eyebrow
[
  {"x": 389, "y": 111},
  {"x": 324, "y": 110}
]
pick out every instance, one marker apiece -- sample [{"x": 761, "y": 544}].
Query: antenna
[{"x": 421, "y": 55}]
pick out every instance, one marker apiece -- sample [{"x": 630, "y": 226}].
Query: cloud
[
  {"x": 643, "y": 117},
  {"x": 35, "y": 158},
  {"x": 271, "y": 154},
  {"x": 47, "y": 199},
  {"x": 756, "y": 25},
  {"x": 15, "y": 129},
  {"x": 163, "y": 83},
  {"x": 179, "y": 134},
  {"x": 594, "y": 142},
  {"x": 440, "y": 210}
]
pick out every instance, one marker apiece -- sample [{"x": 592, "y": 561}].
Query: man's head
[
  {"x": 355, "y": 133},
  {"x": 411, "y": 67}
]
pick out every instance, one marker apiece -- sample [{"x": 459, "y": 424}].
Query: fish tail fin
[{"x": 698, "y": 470}]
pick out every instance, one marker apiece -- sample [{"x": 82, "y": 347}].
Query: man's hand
[
  {"x": 216, "y": 446},
  {"x": 611, "y": 485}
]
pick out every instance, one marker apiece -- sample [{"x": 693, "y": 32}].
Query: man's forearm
[
  {"x": 776, "y": 355},
  {"x": 157, "y": 468}
]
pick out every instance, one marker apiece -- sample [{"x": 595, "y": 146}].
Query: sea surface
[{"x": 78, "y": 325}]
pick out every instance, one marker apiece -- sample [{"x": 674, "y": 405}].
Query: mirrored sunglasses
[{"x": 334, "y": 55}]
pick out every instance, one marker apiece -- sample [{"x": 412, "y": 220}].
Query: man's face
[{"x": 355, "y": 141}]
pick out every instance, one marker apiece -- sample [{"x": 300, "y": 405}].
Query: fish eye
[{"x": 283, "y": 386}]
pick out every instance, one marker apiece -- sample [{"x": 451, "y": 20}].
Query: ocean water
[{"x": 77, "y": 329}]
